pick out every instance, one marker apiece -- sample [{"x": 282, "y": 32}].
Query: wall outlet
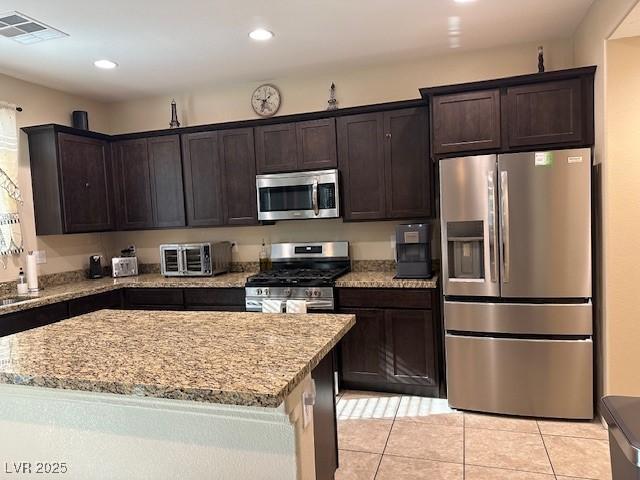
[
  {"x": 41, "y": 256},
  {"x": 234, "y": 246}
]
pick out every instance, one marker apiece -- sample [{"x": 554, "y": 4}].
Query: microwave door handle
[
  {"x": 506, "y": 242},
  {"x": 314, "y": 197},
  {"x": 491, "y": 221}
]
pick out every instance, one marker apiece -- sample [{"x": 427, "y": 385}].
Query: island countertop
[{"x": 237, "y": 358}]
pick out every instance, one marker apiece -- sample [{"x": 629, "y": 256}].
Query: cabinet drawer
[
  {"x": 150, "y": 297},
  {"x": 80, "y": 306},
  {"x": 384, "y": 298},
  {"x": 214, "y": 297}
]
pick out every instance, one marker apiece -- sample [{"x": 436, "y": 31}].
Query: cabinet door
[
  {"x": 407, "y": 163},
  {"x": 545, "y": 113},
  {"x": 166, "y": 172},
  {"x": 133, "y": 183},
  {"x": 362, "y": 349},
  {"x": 361, "y": 161},
  {"x": 238, "y": 160},
  {"x": 411, "y": 348},
  {"x": 202, "y": 179},
  {"x": 85, "y": 184},
  {"x": 276, "y": 148},
  {"x": 466, "y": 122},
  {"x": 317, "y": 144}
]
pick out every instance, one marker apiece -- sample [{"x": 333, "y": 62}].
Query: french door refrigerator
[{"x": 516, "y": 265}]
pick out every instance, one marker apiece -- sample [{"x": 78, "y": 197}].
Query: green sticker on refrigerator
[{"x": 544, "y": 159}]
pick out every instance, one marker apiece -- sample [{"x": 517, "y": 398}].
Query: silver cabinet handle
[
  {"x": 491, "y": 221},
  {"x": 314, "y": 197},
  {"x": 506, "y": 247}
]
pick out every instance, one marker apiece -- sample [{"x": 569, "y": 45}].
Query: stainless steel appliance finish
[
  {"x": 546, "y": 224},
  {"x": 298, "y": 195},
  {"x": 195, "y": 259},
  {"x": 516, "y": 238},
  {"x": 517, "y": 376},
  {"x": 519, "y": 318},
  {"x": 468, "y": 195},
  {"x": 301, "y": 271},
  {"x": 124, "y": 266}
]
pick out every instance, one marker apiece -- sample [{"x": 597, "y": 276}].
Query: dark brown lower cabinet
[
  {"x": 325, "y": 430},
  {"x": 154, "y": 299},
  {"x": 82, "y": 305},
  {"x": 32, "y": 318},
  {"x": 394, "y": 345}
]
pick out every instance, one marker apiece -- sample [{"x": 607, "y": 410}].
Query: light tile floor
[{"x": 397, "y": 437}]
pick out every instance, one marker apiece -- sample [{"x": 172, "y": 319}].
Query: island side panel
[{"x": 325, "y": 430}]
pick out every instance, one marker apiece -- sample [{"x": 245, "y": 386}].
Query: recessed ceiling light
[
  {"x": 105, "y": 64},
  {"x": 261, "y": 34},
  {"x": 464, "y": 1}
]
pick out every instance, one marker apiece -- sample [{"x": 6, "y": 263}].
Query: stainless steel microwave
[
  {"x": 195, "y": 259},
  {"x": 298, "y": 195}
]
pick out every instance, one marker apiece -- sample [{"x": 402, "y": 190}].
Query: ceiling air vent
[{"x": 23, "y": 29}]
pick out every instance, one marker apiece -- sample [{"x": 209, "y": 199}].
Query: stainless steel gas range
[{"x": 300, "y": 271}]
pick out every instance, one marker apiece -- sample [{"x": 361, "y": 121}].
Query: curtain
[{"x": 10, "y": 197}]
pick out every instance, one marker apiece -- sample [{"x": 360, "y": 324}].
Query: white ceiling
[{"x": 169, "y": 46}]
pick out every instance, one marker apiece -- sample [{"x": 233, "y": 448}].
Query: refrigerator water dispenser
[{"x": 466, "y": 249}]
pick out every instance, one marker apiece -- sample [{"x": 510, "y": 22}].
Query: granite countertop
[
  {"x": 382, "y": 280},
  {"x": 236, "y": 358}
]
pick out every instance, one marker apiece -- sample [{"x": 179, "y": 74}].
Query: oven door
[{"x": 298, "y": 195}]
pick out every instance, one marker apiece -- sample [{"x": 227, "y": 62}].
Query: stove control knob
[
  {"x": 266, "y": 291},
  {"x": 308, "y": 293},
  {"x": 287, "y": 292},
  {"x": 259, "y": 291},
  {"x": 317, "y": 293}
]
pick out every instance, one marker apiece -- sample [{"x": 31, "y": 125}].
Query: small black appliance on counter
[
  {"x": 95, "y": 267},
  {"x": 413, "y": 251}
]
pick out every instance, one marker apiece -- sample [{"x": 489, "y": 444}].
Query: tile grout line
[
  {"x": 395, "y": 414},
  {"x": 464, "y": 446},
  {"x": 546, "y": 451}
]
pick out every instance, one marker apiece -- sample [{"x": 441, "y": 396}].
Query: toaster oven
[{"x": 195, "y": 259}]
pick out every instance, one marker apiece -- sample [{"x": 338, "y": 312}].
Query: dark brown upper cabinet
[
  {"x": 385, "y": 165},
  {"x": 71, "y": 179},
  {"x": 220, "y": 178},
  {"x": 545, "y": 113},
  {"x": 148, "y": 182},
  {"x": 407, "y": 163},
  {"x": 202, "y": 179},
  {"x": 361, "y": 162},
  {"x": 237, "y": 156},
  {"x": 286, "y": 147},
  {"x": 317, "y": 144},
  {"x": 466, "y": 121},
  {"x": 526, "y": 112}
]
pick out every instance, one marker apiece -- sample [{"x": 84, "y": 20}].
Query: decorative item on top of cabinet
[
  {"x": 265, "y": 100},
  {"x": 385, "y": 165},
  {"x": 540, "y": 59},
  {"x": 71, "y": 178},
  {"x": 174, "y": 115},
  {"x": 332, "y": 103}
]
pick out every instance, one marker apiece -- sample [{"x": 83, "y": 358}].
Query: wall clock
[{"x": 266, "y": 100}]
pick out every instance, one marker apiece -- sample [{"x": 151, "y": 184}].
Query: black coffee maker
[
  {"x": 95, "y": 267},
  {"x": 413, "y": 251}
]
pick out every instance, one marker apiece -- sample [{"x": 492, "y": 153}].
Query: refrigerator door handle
[
  {"x": 504, "y": 226},
  {"x": 493, "y": 241}
]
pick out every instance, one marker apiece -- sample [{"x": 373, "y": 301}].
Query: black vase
[{"x": 80, "y": 119}]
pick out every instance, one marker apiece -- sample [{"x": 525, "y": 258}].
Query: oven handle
[{"x": 314, "y": 197}]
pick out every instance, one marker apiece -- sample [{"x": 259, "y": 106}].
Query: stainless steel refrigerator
[{"x": 516, "y": 265}]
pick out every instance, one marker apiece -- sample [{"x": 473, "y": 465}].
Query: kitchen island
[{"x": 142, "y": 394}]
